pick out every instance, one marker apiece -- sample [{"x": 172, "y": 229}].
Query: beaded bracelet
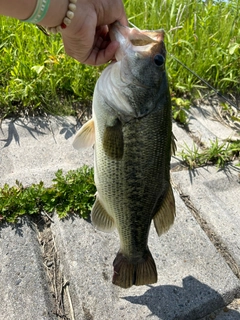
[
  {"x": 41, "y": 11},
  {"x": 67, "y": 19}
]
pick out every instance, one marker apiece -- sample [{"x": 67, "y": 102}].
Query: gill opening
[{"x": 196, "y": 75}]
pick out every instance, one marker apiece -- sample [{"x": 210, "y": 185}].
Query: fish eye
[{"x": 159, "y": 60}]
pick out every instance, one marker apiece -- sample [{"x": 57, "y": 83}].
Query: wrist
[
  {"x": 56, "y": 12},
  {"x": 17, "y": 9}
]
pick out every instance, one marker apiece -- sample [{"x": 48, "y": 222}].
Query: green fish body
[{"x": 131, "y": 131}]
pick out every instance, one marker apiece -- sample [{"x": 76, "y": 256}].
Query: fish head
[
  {"x": 142, "y": 54},
  {"x": 136, "y": 81}
]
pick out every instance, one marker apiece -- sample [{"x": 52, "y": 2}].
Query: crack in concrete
[
  {"x": 216, "y": 241},
  {"x": 58, "y": 286}
]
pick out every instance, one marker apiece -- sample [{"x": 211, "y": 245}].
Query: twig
[
  {"x": 69, "y": 299},
  {"x": 44, "y": 213}
]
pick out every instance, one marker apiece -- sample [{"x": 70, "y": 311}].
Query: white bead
[
  {"x": 70, "y": 14},
  {"x": 72, "y": 7},
  {"x": 58, "y": 29},
  {"x": 67, "y": 21},
  {"x": 53, "y": 30}
]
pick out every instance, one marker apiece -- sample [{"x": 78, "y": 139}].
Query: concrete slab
[
  {"x": 193, "y": 279},
  {"x": 33, "y": 149},
  {"x": 215, "y": 195},
  {"x": 231, "y": 312},
  {"x": 205, "y": 123},
  {"x": 24, "y": 292}
]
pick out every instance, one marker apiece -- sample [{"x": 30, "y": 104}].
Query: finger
[
  {"x": 101, "y": 43},
  {"x": 123, "y": 20},
  {"x": 101, "y": 31},
  {"x": 123, "y": 17},
  {"x": 103, "y": 56}
]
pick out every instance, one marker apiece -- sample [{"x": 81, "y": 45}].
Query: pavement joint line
[
  {"x": 210, "y": 233},
  {"x": 196, "y": 139},
  {"x": 58, "y": 285}
]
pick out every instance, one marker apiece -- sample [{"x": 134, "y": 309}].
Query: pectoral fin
[
  {"x": 85, "y": 137},
  {"x": 100, "y": 218},
  {"x": 164, "y": 218},
  {"x": 113, "y": 143}
]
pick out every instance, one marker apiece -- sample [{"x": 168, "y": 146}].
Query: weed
[
  {"x": 179, "y": 108},
  {"x": 190, "y": 156},
  {"x": 70, "y": 193},
  {"x": 217, "y": 153}
]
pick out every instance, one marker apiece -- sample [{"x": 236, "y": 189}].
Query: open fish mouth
[{"x": 131, "y": 39}]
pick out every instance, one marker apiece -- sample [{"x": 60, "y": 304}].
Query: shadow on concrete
[
  {"x": 17, "y": 226},
  {"x": 67, "y": 130},
  {"x": 35, "y": 127},
  {"x": 192, "y": 301},
  {"x": 38, "y": 221},
  {"x": 11, "y": 135}
]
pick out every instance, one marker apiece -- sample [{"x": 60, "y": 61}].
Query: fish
[{"x": 131, "y": 130}]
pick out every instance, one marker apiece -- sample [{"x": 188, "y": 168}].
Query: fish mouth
[{"x": 132, "y": 39}]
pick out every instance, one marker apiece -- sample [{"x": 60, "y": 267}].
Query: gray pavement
[
  {"x": 197, "y": 260},
  {"x": 23, "y": 284}
]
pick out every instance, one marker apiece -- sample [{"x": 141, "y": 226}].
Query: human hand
[{"x": 86, "y": 39}]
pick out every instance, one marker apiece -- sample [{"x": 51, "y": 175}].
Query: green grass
[
  {"x": 36, "y": 77},
  {"x": 217, "y": 153},
  {"x": 206, "y": 37},
  {"x": 35, "y": 74},
  {"x": 72, "y": 193}
]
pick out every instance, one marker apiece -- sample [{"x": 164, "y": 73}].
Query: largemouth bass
[{"x": 131, "y": 130}]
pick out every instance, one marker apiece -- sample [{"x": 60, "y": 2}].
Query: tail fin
[{"x": 128, "y": 273}]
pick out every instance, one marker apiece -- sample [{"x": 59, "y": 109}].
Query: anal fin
[
  {"x": 164, "y": 218},
  {"x": 100, "y": 218}
]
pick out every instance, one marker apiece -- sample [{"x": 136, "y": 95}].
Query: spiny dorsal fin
[
  {"x": 113, "y": 143},
  {"x": 101, "y": 219},
  {"x": 164, "y": 218},
  {"x": 85, "y": 137}
]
